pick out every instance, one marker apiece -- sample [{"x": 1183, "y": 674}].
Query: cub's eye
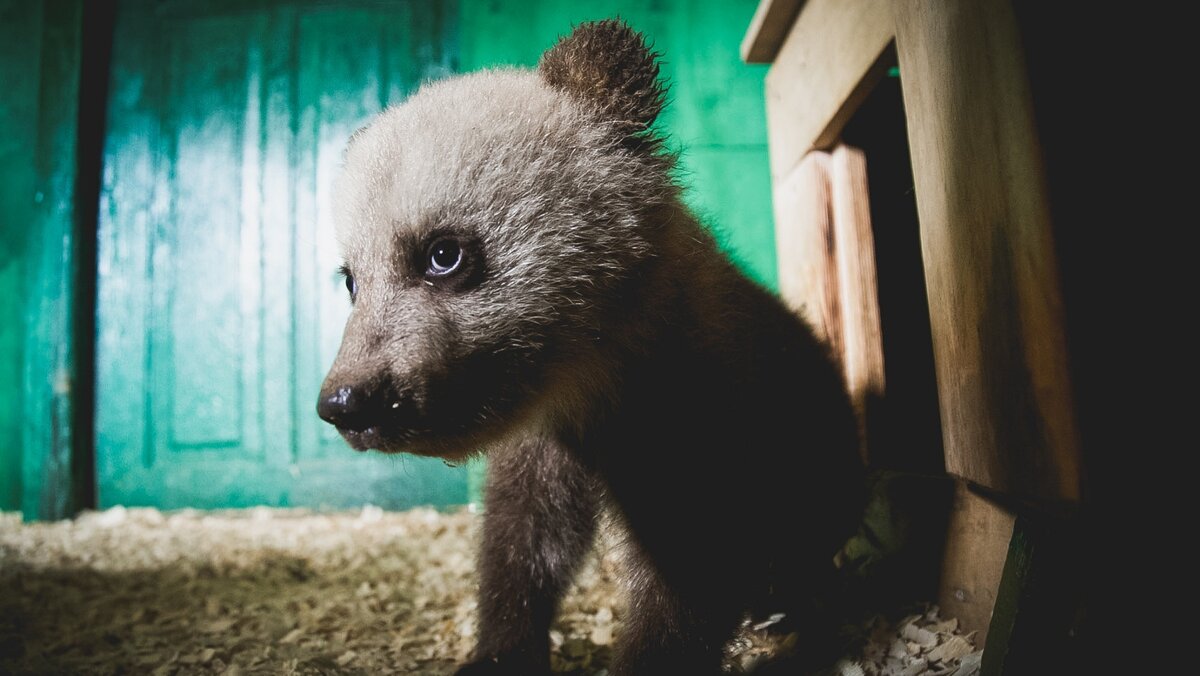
[
  {"x": 445, "y": 256},
  {"x": 351, "y": 285}
]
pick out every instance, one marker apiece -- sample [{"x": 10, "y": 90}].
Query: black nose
[{"x": 352, "y": 407}]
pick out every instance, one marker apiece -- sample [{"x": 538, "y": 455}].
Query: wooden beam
[
  {"x": 834, "y": 54},
  {"x": 989, "y": 256},
  {"x": 770, "y": 25},
  {"x": 977, "y": 543}
]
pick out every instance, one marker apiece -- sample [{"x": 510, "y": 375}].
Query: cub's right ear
[{"x": 608, "y": 64}]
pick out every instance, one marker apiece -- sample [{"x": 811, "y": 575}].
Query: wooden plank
[
  {"x": 50, "y": 361},
  {"x": 804, "y": 247},
  {"x": 976, "y": 548},
  {"x": 992, "y": 278},
  {"x": 21, "y": 35},
  {"x": 857, "y": 291},
  {"x": 1041, "y": 601},
  {"x": 770, "y": 25},
  {"x": 826, "y": 255},
  {"x": 835, "y": 52}
]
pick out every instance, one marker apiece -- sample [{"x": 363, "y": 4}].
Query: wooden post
[
  {"x": 990, "y": 269},
  {"x": 973, "y": 561}
]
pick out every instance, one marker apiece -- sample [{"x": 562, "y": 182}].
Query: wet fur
[{"x": 601, "y": 350}]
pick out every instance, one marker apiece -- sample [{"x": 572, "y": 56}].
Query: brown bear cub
[{"x": 527, "y": 282}]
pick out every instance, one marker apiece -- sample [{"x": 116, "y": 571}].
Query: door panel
[{"x": 219, "y": 308}]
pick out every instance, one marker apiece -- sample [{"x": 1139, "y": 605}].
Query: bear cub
[{"x": 526, "y": 282}]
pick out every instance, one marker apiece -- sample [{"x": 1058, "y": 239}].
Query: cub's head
[{"x": 494, "y": 229}]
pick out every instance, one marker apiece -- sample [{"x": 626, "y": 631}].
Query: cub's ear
[{"x": 608, "y": 64}]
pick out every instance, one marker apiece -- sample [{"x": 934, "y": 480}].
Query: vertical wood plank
[
  {"x": 990, "y": 270},
  {"x": 50, "y": 374},
  {"x": 973, "y": 561},
  {"x": 277, "y": 216},
  {"x": 129, "y": 204},
  {"x": 804, "y": 245},
  {"x": 20, "y": 58},
  {"x": 858, "y": 298}
]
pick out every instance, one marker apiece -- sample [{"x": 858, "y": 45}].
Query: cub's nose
[{"x": 352, "y": 407}]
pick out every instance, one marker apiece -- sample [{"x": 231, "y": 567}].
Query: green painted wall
[{"x": 218, "y": 309}]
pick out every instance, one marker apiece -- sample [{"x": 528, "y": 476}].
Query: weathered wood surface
[
  {"x": 858, "y": 298},
  {"x": 770, "y": 25},
  {"x": 833, "y": 55},
  {"x": 990, "y": 268},
  {"x": 804, "y": 245},
  {"x": 826, "y": 257},
  {"x": 973, "y": 560}
]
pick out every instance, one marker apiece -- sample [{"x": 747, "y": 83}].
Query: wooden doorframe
[{"x": 994, "y": 289}]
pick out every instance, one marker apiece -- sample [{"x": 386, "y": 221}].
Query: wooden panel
[
  {"x": 990, "y": 270},
  {"x": 20, "y": 64},
  {"x": 973, "y": 562},
  {"x": 42, "y": 45},
  {"x": 201, "y": 326},
  {"x": 835, "y": 52},
  {"x": 219, "y": 304},
  {"x": 770, "y": 25},
  {"x": 826, "y": 257},
  {"x": 858, "y": 299},
  {"x": 804, "y": 245}
]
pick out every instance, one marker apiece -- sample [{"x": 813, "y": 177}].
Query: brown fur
[{"x": 601, "y": 348}]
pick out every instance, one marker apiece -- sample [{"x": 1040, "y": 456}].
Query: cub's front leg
[{"x": 540, "y": 516}]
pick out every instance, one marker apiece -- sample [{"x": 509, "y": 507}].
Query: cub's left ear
[{"x": 607, "y": 63}]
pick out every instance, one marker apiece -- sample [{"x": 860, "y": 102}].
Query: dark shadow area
[
  {"x": 95, "y": 56},
  {"x": 904, "y": 427},
  {"x": 895, "y": 559}
]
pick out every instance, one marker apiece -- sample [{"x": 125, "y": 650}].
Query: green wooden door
[{"x": 218, "y": 304}]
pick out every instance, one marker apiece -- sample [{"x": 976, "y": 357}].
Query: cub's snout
[{"x": 367, "y": 413}]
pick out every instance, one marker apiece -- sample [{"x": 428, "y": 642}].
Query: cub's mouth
[
  {"x": 394, "y": 426},
  {"x": 367, "y": 439},
  {"x": 395, "y": 441},
  {"x": 371, "y": 416},
  {"x": 452, "y": 415}
]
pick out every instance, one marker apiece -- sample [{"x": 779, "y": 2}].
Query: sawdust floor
[{"x": 270, "y": 591}]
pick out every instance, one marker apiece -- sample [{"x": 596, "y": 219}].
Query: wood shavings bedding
[{"x": 270, "y": 591}]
